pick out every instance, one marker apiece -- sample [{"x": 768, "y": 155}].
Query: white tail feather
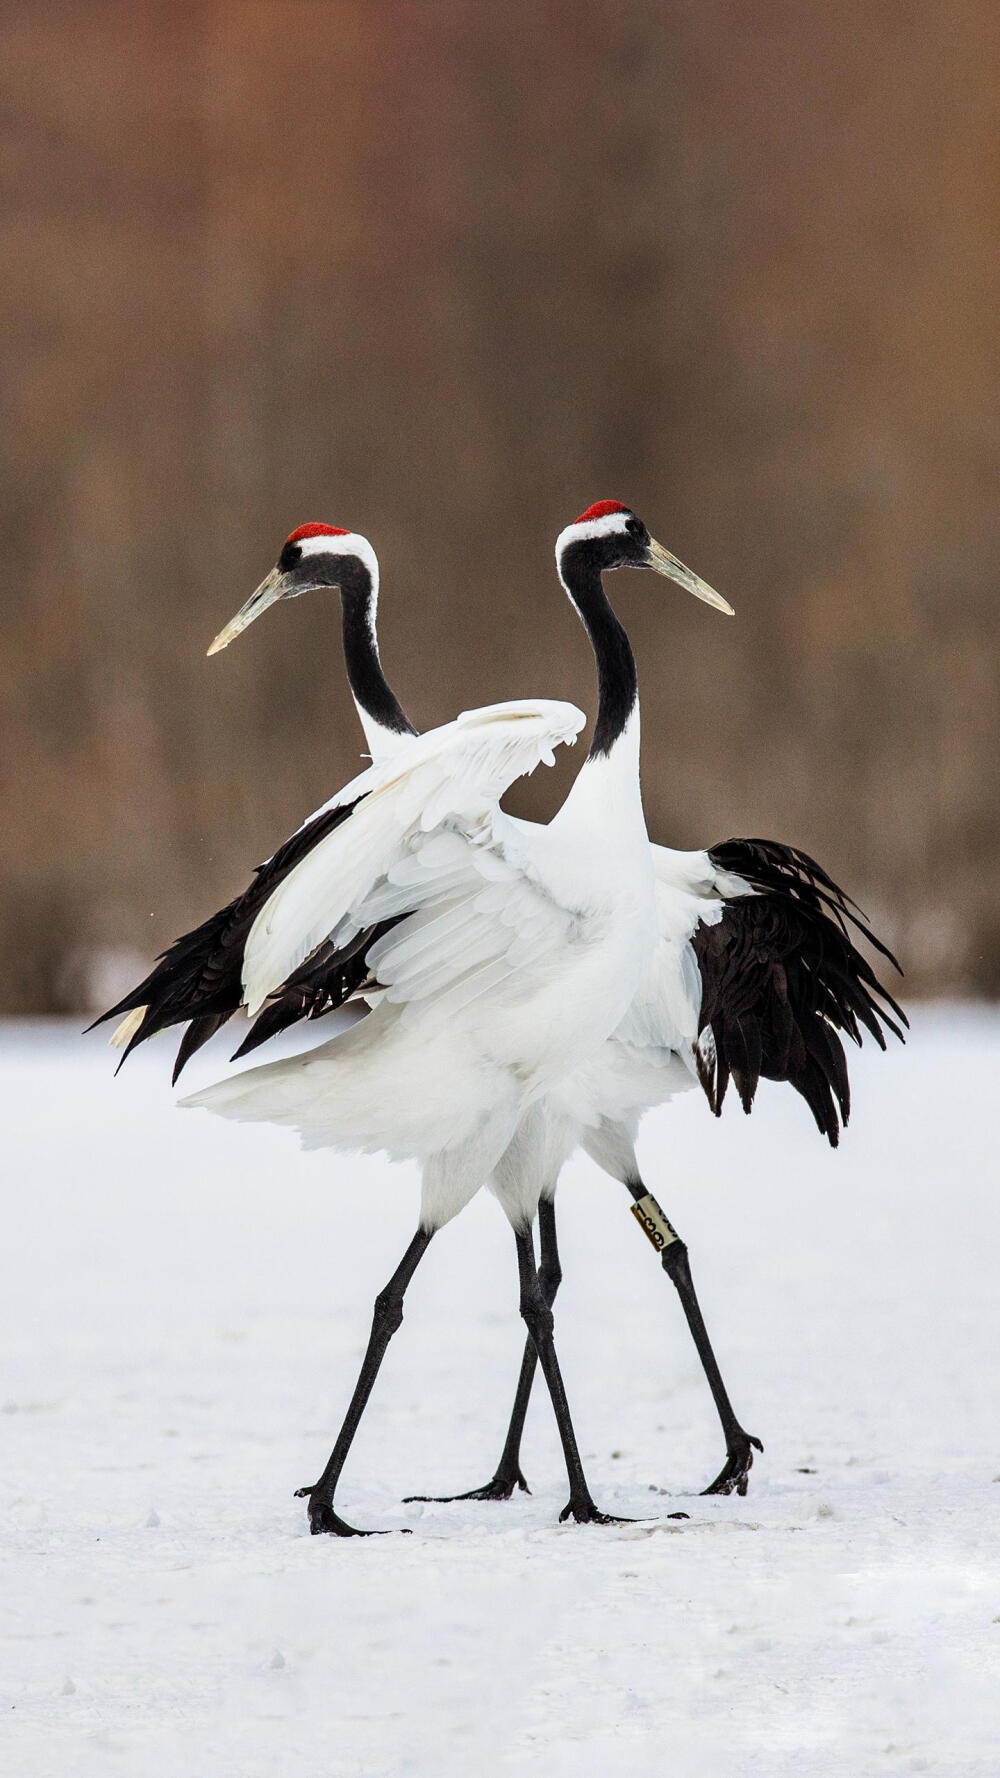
[{"x": 124, "y": 1033}]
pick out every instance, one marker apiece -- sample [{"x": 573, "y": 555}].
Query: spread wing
[
  {"x": 755, "y": 974},
  {"x": 782, "y": 979},
  {"x": 443, "y": 891},
  {"x": 197, "y": 982}
]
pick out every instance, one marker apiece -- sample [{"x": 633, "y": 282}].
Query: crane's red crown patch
[
  {"x": 600, "y": 510},
  {"x": 316, "y": 531}
]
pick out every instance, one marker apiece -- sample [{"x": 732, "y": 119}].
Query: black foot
[
  {"x": 586, "y": 1513},
  {"x": 734, "y": 1475},
  {"x": 500, "y": 1488},
  {"x": 322, "y": 1518}
]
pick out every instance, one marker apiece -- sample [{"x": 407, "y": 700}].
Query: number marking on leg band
[{"x": 653, "y": 1223}]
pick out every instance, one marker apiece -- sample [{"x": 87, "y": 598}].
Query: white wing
[{"x": 426, "y": 840}]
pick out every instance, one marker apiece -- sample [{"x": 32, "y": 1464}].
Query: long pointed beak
[
  {"x": 269, "y": 590},
  {"x": 663, "y": 562}
]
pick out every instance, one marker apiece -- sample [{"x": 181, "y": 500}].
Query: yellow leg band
[{"x": 653, "y": 1223}]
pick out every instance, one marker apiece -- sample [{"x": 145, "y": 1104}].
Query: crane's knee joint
[
  {"x": 538, "y": 1319},
  {"x": 389, "y": 1309},
  {"x": 550, "y": 1278}
]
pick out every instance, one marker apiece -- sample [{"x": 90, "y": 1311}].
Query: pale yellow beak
[
  {"x": 269, "y": 590},
  {"x": 663, "y": 562}
]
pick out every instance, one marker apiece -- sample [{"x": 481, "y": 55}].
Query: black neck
[
  {"x": 617, "y": 684},
  {"x": 367, "y": 681}
]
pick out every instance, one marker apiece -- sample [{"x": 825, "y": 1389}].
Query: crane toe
[
  {"x": 584, "y": 1512},
  {"x": 324, "y": 1521},
  {"x": 500, "y": 1488},
  {"x": 734, "y": 1476}
]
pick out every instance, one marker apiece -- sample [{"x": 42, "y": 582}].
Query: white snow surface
[{"x": 184, "y": 1305}]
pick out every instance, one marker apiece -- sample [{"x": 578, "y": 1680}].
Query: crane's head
[
  {"x": 609, "y": 535},
  {"x": 312, "y": 556}
]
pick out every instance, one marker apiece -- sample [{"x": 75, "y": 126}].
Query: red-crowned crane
[{"x": 754, "y": 974}]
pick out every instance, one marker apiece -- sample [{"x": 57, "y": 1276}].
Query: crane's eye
[
  {"x": 291, "y": 554},
  {"x": 634, "y": 527}
]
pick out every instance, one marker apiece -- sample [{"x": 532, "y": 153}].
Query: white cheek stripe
[
  {"x": 351, "y": 544},
  {"x": 612, "y": 523}
]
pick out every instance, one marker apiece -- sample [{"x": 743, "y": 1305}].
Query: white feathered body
[
  {"x": 650, "y": 1055},
  {"x": 517, "y": 949}
]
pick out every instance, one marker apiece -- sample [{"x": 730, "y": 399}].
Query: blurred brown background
[{"x": 446, "y": 273}]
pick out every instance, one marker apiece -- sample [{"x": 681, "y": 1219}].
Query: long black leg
[
  {"x": 538, "y": 1320},
  {"x": 508, "y": 1471},
  {"x": 387, "y": 1318},
  {"x": 740, "y": 1445}
]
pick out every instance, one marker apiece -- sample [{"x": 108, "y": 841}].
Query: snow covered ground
[{"x": 183, "y": 1306}]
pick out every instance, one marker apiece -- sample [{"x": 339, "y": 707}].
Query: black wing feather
[
  {"x": 781, "y": 978},
  {"x": 200, "y": 978},
  {"x": 322, "y": 983}
]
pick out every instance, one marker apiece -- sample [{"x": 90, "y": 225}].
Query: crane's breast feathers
[{"x": 450, "y": 891}]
